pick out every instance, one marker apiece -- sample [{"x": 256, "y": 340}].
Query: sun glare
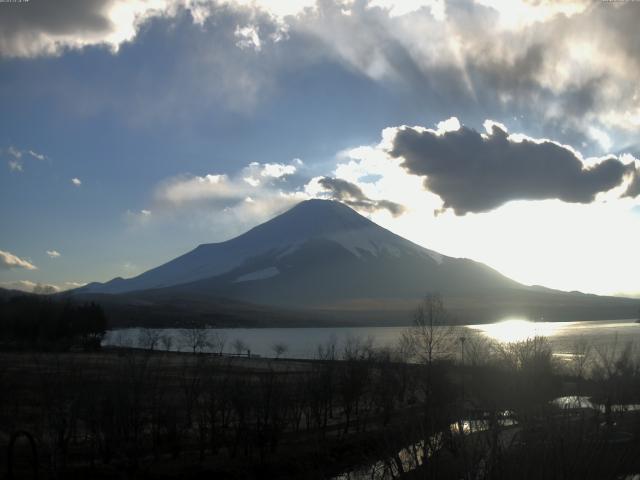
[{"x": 517, "y": 330}]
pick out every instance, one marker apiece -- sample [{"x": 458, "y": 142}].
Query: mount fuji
[{"x": 322, "y": 256}]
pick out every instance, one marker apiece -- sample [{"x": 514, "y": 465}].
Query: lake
[{"x": 303, "y": 342}]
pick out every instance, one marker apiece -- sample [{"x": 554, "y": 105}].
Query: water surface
[{"x": 304, "y": 342}]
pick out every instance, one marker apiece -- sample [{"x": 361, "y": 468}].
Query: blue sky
[{"x": 189, "y": 122}]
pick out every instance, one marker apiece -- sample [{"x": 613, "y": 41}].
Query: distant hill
[
  {"x": 322, "y": 261},
  {"x": 156, "y": 308},
  {"x": 6, "y": 293}
]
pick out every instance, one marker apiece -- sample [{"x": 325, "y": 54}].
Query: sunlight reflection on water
[{"x": 517, "y": 330}]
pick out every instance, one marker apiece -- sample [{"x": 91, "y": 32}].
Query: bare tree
[
  {"x": 581, "y": 359},
  {"x": 167, "y": 342},
  {"x": 431, "y": 341},
  {"x": 149, "y": 339},
  {"x": 354, "y": 377},
  {"x": 327, "y": 351},
  {"x": 217, "y": 341},
  {"x": 358, "y": 348},
  {"x": 279, "y": 349},
  {"x": 195, "y": 339},
  {"x": 239, "y": 346},
  {"x": 430, "y": 337},
  {"x": 614, "y": 369}
]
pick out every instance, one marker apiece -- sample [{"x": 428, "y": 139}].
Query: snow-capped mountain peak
[{"x": 311, "y": 220}]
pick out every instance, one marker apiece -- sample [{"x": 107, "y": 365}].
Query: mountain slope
[{"x": 324, "y": 256}]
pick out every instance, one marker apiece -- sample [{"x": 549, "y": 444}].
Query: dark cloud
[
  {"x": 477, "y": 173},
  {"x": 394, "y": 208},
  {"x": 42, "y": 26},
  {"x": 350, "y": 194}
]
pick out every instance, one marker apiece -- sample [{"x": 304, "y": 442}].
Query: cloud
[
  {"x": 256, "y": 180},
  {"x": 138, "y": 218},
  {"x": 226, "y": 205},
  {"x": 352, "y": 195},
  {"x": 256, "y": 173},
  {"x": 9, "y": 261},
  {"x": 39, "y": 288},
  {"x": 257, "y": 192},
  {"x": 277, "y": 170},
  {"x": 14, "y": 152},
  {"x": 130, "y": 266},
  {"x": 40, "y": 27},
  {"x": 188, "y": 189},
  {"x": 15, "y": 166},
  {"x": 404, "y": 7},
  {"x": 36, "y": 155},
  {"x": 475, "y": 172},
  {"x": 558, "y": 66},
  {"x": 76, "y": 181},
  {"x": 44, "y": 28},
  {"x": 22, "y": 285},
  {"x": 53, "y": 253},
  {"x": 45, "y": 289},
  {"x": 568, "y": 64},
  {"x": 568, "y": 67},
  {"x": 248, "y": 38},
  {"x": 634, "y": 187},
  {"x": 16, "y": 162},
  {"x": 516, "y": 14}
]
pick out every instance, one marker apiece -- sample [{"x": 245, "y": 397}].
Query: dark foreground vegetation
[
  {"x": 443, "y": 404},
  {"x": 34, "y": 322}
]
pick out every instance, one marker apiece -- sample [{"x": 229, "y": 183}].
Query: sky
[{"x": 503, "y": 131}]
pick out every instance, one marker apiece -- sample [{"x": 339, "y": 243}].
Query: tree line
[{"x": 45, "y": 323}]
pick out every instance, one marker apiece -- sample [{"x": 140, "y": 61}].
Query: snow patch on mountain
[
  {"x": 364, "y": 240},
  {"x": 258, "y": 275},
  {"x": 375, "y": 241}
]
